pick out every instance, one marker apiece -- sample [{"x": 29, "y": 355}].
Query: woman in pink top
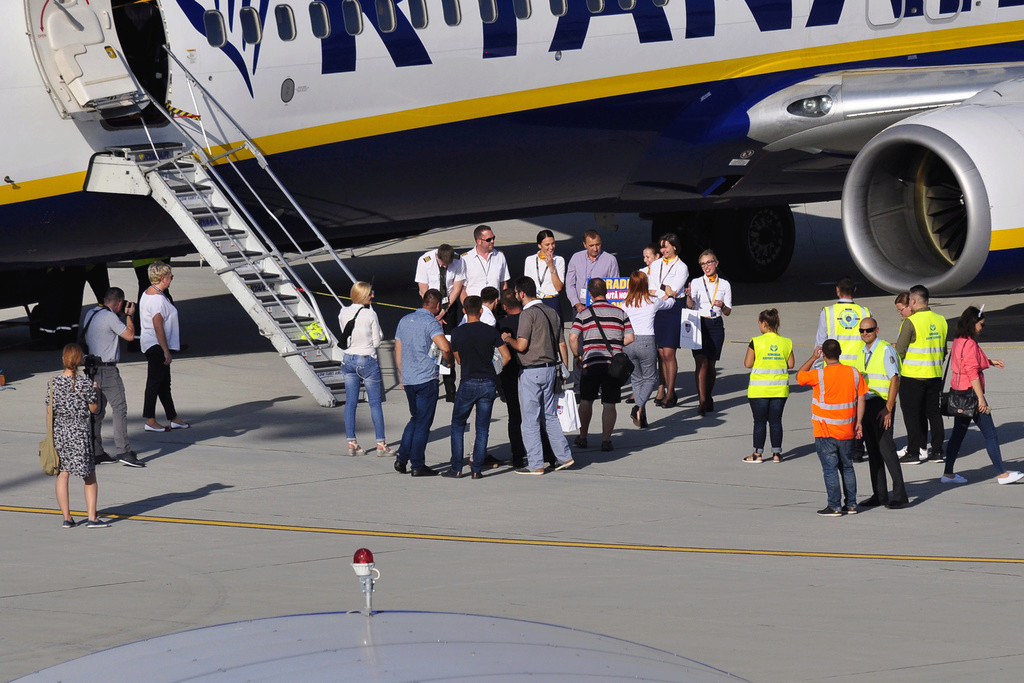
[{"x": 967, "y": 371}]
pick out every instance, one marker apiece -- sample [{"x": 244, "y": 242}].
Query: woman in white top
[
  {"x": 360, "y": 365},
  {"x": 641, "y": 307},
  {"x": 158, "y": 319},
  {"x": 667, "y": 280},
  {"x": 547, "y": 271},
  {"x": 711, "y": 296}
]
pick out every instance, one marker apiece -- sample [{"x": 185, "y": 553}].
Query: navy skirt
[
  {"x": 668, "y": 324},
  {"x": 712, "y": 336}
]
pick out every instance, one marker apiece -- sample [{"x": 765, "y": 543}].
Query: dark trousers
[
  {"x": 920, "y": 397},
  {"x": 422, "y": 405},
  {"x": 882, "y": 455},
  {"x": 767, "y": 413},
  {"x": 158, "y": 385},
  {"x": 509, "y": 380}
]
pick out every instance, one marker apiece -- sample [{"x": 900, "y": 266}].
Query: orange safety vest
[{"x": 834, "y": 404}]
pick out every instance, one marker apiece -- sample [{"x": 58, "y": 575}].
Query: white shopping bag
[
  {"x": 689, "y": 330},
  {"x": 568, "y": 412}
]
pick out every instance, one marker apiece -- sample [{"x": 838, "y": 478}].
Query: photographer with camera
[{"x": 102, "y": 328}]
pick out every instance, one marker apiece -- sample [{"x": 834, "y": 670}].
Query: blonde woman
[
  {"x": 360, "y": 365},
  {"x": 74, "y": 397},
  {"x": 641, "y": 307},
  {"x": 158, "y": 318}
]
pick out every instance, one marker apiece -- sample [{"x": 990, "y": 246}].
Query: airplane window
[
  {"x": 320, "y": 20},
  {"x": 352, "y": 13},
  {"x": 418, "y": 13},
  {"x": 627, "y": 5},
  {"x": 386, "y": 15},
  {"x": 252, "y": 32},
  {"x": 216, "y": 34},
  {"x": 452, "y": 13},
  {"x": 559, "y": 7},
  {"x": 285, "y": 22},
  {"x": 660, "y": 3},
  {"x": 595, "y": 6},
  {"x": 488, "y": 11},
  {"x": 522, "y": 9}
]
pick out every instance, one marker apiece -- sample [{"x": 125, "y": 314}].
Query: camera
[
  {"x": 129, "y": 307},
  {"x": 90, "y": 365}
]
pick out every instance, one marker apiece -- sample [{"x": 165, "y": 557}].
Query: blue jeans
[
  {"x": 472, "y": 392},
  {"x": 988, "y": 430},
  {"x": 835, "y": 456},
  {"x": 363, "y": 369},
  {"x": 540, "y": 411},
  {"x": 422, "y": 404},
  {"x": 767, "y": 416}
]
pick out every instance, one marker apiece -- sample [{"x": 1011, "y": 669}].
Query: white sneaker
[
  {"x": 923, "y": 454},
  {"x": 955, "y": 479},
  {"x": 1010, "y": 477},
  {"x": 901, "y": 452}
]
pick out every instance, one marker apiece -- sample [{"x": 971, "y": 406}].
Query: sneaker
[
  {"x": 829, "y": 512},
  {"x": 901, "y": 452},
  {"x": 527, "y": 470},
  {"x": 67, "y": 524},
  {"x": 570, "y": 462},
  {"x": 850, "y": 509},
  {"x": 910, "y": 460},
  {"x": 923, "y": 455},
  {"x": 955, "y": 479},
  {"x": 451, "y": 474},
  {"x": 96, "y": 524},
  {"x": 103, "y": 458},
  {"x": 1010, "y": 477},
  {"x": 129, "y": 459}
]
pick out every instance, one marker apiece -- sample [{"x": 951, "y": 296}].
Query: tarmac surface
[{"x": 669, "y": 540}]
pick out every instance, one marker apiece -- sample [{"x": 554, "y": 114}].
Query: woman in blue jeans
[
  {"x": 967, "y": 367},
  {"x": 770, "y": 358},
  {"x": 360, "y": 365}
]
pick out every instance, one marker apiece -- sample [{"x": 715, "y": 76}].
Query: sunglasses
[
  {"x": 489, "y": 239},
  {"x": 867, "y": 330}
]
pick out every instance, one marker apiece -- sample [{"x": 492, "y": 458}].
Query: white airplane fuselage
[{"x": 391, "y": 132}]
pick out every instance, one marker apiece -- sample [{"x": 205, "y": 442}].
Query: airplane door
[{"x": 78, "y": 52}]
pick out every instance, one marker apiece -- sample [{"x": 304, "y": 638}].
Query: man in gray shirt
[
  {"x": 102, "y": 329},
  {"x": 539, "y": 343}
]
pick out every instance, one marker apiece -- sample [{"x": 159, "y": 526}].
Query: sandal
[
  {"x": 383, "y": 450},
  {"x": 776, "y": 457},
  {"x": 754, "y": 457},
  {"x": 355, "y": 449},
  {"x": 606, "y": 445},
  {"x": 580, "y": 442}
]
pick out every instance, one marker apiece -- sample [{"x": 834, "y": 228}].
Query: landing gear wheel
[{"x": 759, "y": 242}]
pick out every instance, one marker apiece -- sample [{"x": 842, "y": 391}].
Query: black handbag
[
  {"x": 621, "y": 366},
  {"x": 962, "y": 403}
]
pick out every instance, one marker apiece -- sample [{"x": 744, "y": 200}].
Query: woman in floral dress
[{"x": 74, "y": 397}]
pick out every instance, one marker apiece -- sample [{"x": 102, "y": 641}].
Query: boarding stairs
[{"x": 184, "y": 178}]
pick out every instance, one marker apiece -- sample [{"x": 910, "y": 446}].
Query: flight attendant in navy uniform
[
  {"x": 443, "y": 270},
  {"x": 667, "y": 279},
  {"x": 711, "y": 296}
]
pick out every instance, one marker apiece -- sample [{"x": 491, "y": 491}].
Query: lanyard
[
  {"x": 711, "y": 298},
  {"x": 486, "y": 265},
  {"x": 547, "y": 269}
]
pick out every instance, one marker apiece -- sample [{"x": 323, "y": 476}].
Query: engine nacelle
[{"x": 938, "y": 199}]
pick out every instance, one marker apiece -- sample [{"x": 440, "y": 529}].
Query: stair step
[
  {"x": 237, "y": 254},
  {"x": 323, "y": 364},
  {"x": 222, "y": 232}
]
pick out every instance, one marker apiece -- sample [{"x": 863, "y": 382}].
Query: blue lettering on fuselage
[{"x": 500, "y": 37}]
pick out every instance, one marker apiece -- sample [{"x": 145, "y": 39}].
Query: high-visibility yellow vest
[
  {"x": 923, "y": 359},
  {"x": 874, "y": 371},
  {"x": 769, "y": 378},
  {"x": 842, "y": 322}
]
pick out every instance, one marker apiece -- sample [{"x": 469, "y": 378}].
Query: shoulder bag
[
  {"x": 961, "y": 403},
  {"x": 621, "y": 367},
  {"x": 48, "y": 457},
  {"x": 346, "y": 334}
]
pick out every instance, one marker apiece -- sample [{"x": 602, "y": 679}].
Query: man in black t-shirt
[{"x": 474, "y": 344}]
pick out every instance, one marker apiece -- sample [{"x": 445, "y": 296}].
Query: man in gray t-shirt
[{"x": 102, "y": 328}]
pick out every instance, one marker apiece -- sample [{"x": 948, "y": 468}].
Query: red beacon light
[
  {"x": 362, "y": 565},
  {"x": 362, "y": 556}
]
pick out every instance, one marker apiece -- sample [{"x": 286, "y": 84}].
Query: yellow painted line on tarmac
[{"x": 531, "y": 542}]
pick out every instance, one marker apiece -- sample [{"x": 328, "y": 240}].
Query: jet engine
[{"x": 938, "y": 198}]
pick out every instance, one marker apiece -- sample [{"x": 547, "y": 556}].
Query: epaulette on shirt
[{"x": 426, "y": 259}]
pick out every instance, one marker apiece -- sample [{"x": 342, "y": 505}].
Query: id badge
[{"x": 583, "y": 294}]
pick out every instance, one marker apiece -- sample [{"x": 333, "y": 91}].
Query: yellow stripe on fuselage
[
  {"x": 539, "y": 98},
  {"x": 1012, "y": 238}
]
